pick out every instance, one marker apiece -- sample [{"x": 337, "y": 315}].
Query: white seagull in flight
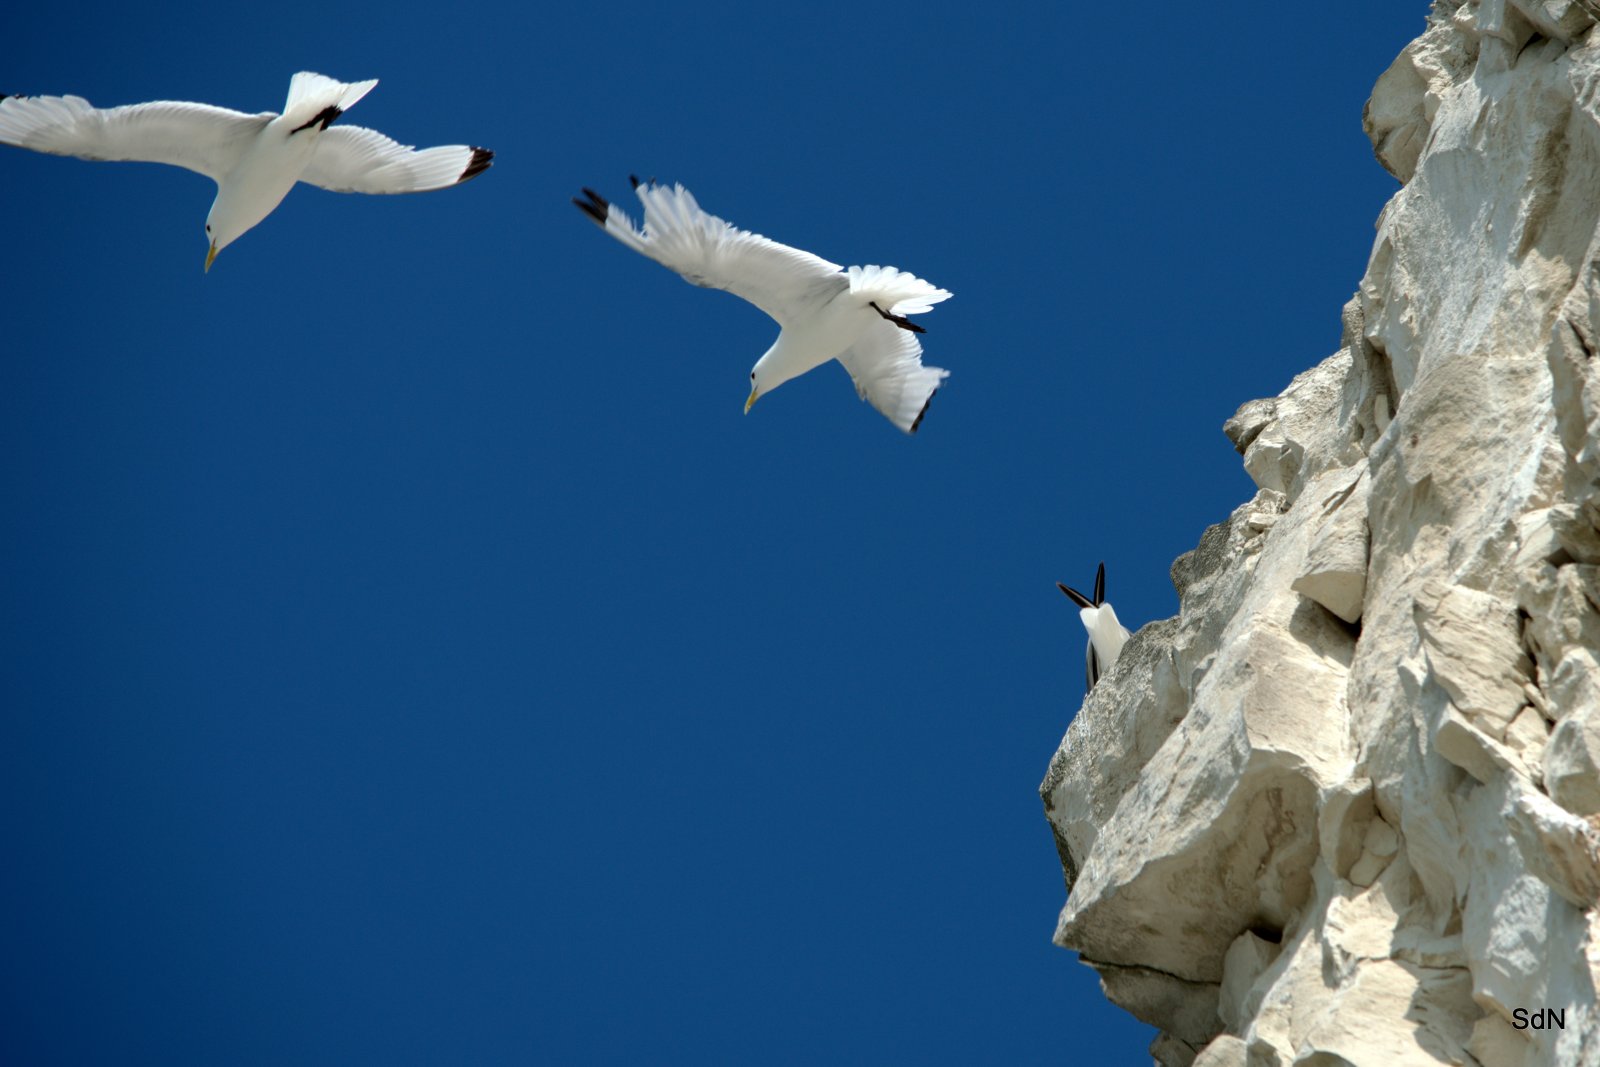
[
  {"x": 254, "y": 159},
  {"x": 857, "y": 316},
  {"x": 1106, "y": 634}
]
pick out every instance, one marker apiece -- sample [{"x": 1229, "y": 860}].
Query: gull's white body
[
  {"x": 275, "y": 158},
  {"x": 1106, "y": 634},
  {"x": 1106, "y": 638},
  {"x": 253, "y": 189},
  {"x": 809, "y": 340},
  {"x": 826, "y": 312},
  {"x": 254, "y": 159}
]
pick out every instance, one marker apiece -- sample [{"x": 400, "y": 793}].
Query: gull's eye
[
  {"x": 752, "y": 376},
  {"x": 208, "y": 227}
]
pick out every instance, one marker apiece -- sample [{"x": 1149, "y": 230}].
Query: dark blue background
[{"x": 412, "y": 655}]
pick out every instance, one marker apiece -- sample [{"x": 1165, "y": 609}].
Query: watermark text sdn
[{"x": 1540, "y": 1019}]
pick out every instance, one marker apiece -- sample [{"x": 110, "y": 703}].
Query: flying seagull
[
  {"x": 254, "y": 159},
  {"x": 1106, "y": 634},
  {"x": 857, "y": 316}
]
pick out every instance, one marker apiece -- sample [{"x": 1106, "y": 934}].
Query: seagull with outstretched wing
[
  {"x": 254, "y": 159},
  {"x": 857, "y": 315}
]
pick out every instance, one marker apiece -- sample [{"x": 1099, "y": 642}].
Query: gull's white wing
[
  {"x": 198, "y": 137},
  {"x": 353, "y": 159},
  {"x": 886, "y": 365},
  {"x": 784, "y": 282}
]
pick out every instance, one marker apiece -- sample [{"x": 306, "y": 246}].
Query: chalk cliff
[{"x": 1345, "y": 807}]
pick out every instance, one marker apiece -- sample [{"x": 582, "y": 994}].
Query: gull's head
[
  {"x": 217, "y": 239},
  {"x": 228, "y": 221},
  {"x": 765, "y": 376}
]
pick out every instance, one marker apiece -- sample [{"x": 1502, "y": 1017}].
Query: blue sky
[{"x": 413, "y": 655}]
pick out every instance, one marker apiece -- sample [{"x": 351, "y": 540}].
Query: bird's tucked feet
[
  {"x": 323, "y": 118},
  {"x": 899, "y": 320}
]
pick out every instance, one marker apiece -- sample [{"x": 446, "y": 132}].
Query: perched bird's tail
[
  {"x": 316, "y": 100},
  {"x": 894, "y": 291}
]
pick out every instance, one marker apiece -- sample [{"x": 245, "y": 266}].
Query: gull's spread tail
[
  {"x": 895, "y": 293},
  {"x": 316, "y": 99}
]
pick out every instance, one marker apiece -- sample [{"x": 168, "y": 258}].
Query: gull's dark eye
[
  {"x": 208, "y": 227},
  {"x": 752, "y": 376}
]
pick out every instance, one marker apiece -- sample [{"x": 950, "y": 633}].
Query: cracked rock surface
[{"x": 1345, "y": 807}]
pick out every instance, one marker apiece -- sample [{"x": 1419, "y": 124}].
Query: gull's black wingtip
[
  {"x": 917, "y": 422},
  {"x": 1075, "y": 596},
  {"x": 596, "y": 206},
  {"x": 634, "y": 180},
  {"x": 1100, "y": 584},
  {"x": 481, "y": 160}
]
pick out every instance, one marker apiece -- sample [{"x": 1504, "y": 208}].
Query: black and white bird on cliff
[{"x": 1106, "y": 634}]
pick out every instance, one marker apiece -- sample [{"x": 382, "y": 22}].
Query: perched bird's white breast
[{"x": 1106, "y": 634}]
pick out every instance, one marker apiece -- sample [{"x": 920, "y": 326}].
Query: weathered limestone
[
  {"x": 1335, "y": 574},
  {"x": 1345, "y": 808}
]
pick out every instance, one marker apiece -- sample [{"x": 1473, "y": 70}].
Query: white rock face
[{"x": 1345, "y": 808}]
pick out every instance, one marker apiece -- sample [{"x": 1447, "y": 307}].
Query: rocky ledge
[{"x": 1345, "y": 808}]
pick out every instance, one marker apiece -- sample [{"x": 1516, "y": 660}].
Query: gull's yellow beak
[
  {"x": 748, "y": 404},
  {"x": 210, "y": 256}
]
